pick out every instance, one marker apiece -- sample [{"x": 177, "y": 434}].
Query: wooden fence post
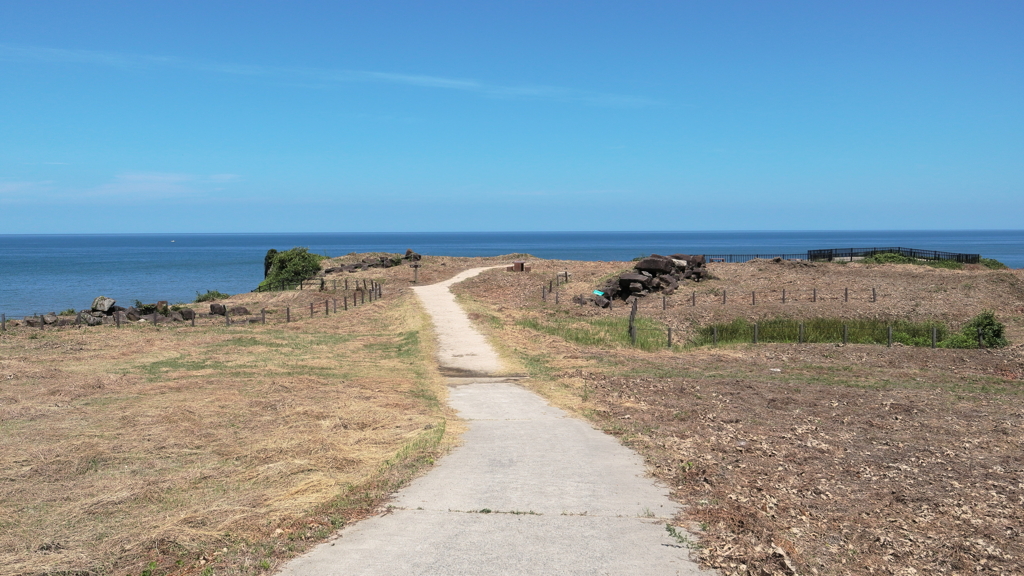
[
  {"x": 327, "y": 308},
  {"x": 694, "y": 299},
  {"x": 193, "y": 320},
  {"x": 888, "y": 332},
  {"x": 287, "y": 314},
  {"x": 556, "y": 296},
  {"x": 346, "y": 284},
  {"x": 664, "y": 302},
  {"x": 757, "y": 328},
  {"x": 723, "y": 297},
  {"x": 263, "y": 315},
  {"x": 670, "y": 337},
  {"x": 874, "y": 295},
  {"x": 981, "y": 340},
  {"x": 714, "y": 332},
  {"x": 800, "y": 335},
  {"x": 310, "y": 309},
  {"x": 335, "y": 305},
  {"x": 362, "y": 297},
  {"x": 753, "y": 298},
  {"x": 117, "y": 319},
  {"x": 632, "y": 323},
  {"x": 783, "y": 295},
  {"x": 544, "y": 293},
  {"x": 934, "y": 335},
  {"x": 846, "y": 333},
  {"x": 227, "y": 316},
  {"x": 344, "y": 301},
  {"x": 846, "y": 294},
  {"x": 814, "y": 298}
]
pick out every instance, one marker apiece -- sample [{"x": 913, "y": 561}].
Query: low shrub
[
  {"x": 210, "y": 296},
  {"x": 992, "y": 333},
  {"x": 993, "y": 264}
]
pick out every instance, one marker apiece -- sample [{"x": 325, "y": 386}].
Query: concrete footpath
[{"x": 530, "y": 490}]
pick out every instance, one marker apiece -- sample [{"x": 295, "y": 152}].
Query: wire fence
[
  {"x": 832, "y": 254},
  {"x": 325, "y": 303}
]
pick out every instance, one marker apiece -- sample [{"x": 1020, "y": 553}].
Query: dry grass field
[
  {"x": 152, "y": 450},
  {"x": 209, "y": 450},
  {"x": 798, "y": 458}
]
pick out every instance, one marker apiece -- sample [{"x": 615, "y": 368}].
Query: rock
[
  {"x": 176, "y": 317},
  {"x": 218, "y": 309},
  {"x": 103, "y": 304},
  {"x": 239, "y": 311},
  {"x": 97, "y": 314},
  {"x": 188, "y": 314},
  {"x": 33, "y": 321},
  {"x": 655, "y": 264},
  {"x": 636, "y": 287},
  {"x": 120, "y": 315},
  {"x": 117, "y": 309},
  {"x": 132, "y": 314},
  {"x": 50, "y": 318},
  {"x": 410, "y": 255},
  {"x": 602, "y": 301},
  {"x": 90, "y": 320},
  {"x": 626, "y": 279}
]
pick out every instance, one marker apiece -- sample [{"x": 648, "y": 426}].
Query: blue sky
[{"x": 450, "y": 116}]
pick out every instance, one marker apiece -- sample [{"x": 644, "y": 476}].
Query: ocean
[{"x": 43, "y": 273}]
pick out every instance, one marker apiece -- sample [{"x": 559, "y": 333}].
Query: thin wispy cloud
[
  {"x": 126, "y": 188},
  {"x": 11, "y": 53}
]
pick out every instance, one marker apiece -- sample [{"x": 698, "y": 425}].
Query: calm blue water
[{"x": 42, "y": 273}]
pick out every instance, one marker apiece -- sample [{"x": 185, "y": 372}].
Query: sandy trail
[{"x": 531, "y": 490}]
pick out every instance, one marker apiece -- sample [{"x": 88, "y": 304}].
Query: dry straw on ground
[
  {"x": 208, "y": 447},
  {"x": 803, "y": 459}
]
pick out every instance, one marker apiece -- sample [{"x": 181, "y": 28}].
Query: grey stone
[
  {"x": 218, "y": 309},
  {"x": 50, "y": 318},
  {"x": 239, "y": 311},
  {"x": 103, "y": 304},
  {"x": 132, "y": 314},
  {"x": 655, "y": 264},
  {"x": 188, "y": 314}
]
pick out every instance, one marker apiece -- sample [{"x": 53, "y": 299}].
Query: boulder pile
[
  {"x": 376, "y": 262},
  {"x": 652, "y": 274}
]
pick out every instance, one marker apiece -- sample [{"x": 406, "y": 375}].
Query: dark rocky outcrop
[
  {"x": 188, "y": 314},
  {"x": 239, "y": 311},
  {"x": 653, "y": 274},
  {"x": 218, "y": 309}
]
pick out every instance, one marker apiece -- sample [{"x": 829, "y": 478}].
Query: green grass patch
[
  {"x": 993, "y": 264},
  {"x": 602, "y": 332},
  {"x": 893, "y": 258},
  {"x": 822, "y": 330},
  {"x": 864, "y": 331}
]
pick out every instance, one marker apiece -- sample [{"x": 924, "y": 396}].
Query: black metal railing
[{"x": 831, "y": 254}]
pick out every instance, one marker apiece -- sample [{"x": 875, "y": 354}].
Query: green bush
[
  {"x": 210, "y": 296},
  {"x": 291, "y": 267},
  {"x": 993, "y": 264},
  {"x": 992, "y": 332}
]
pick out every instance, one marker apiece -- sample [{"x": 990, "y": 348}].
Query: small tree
[{"x": 291, "y": 267}]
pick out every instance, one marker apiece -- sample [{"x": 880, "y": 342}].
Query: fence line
[
  {"x": 851, "y": 253},
  {"x": 369, "y": 292}
]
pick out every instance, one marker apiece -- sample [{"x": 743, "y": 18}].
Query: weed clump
[
  {"x": 990, "y": 329},
  {"x": 993, "y": 264}
]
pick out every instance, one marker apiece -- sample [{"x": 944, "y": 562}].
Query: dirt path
[{"x": 530, "y": 491}]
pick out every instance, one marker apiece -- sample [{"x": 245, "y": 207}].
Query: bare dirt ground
[
  {"x": 813, "y": 458},
  {"x": 209, "y": 450}
]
